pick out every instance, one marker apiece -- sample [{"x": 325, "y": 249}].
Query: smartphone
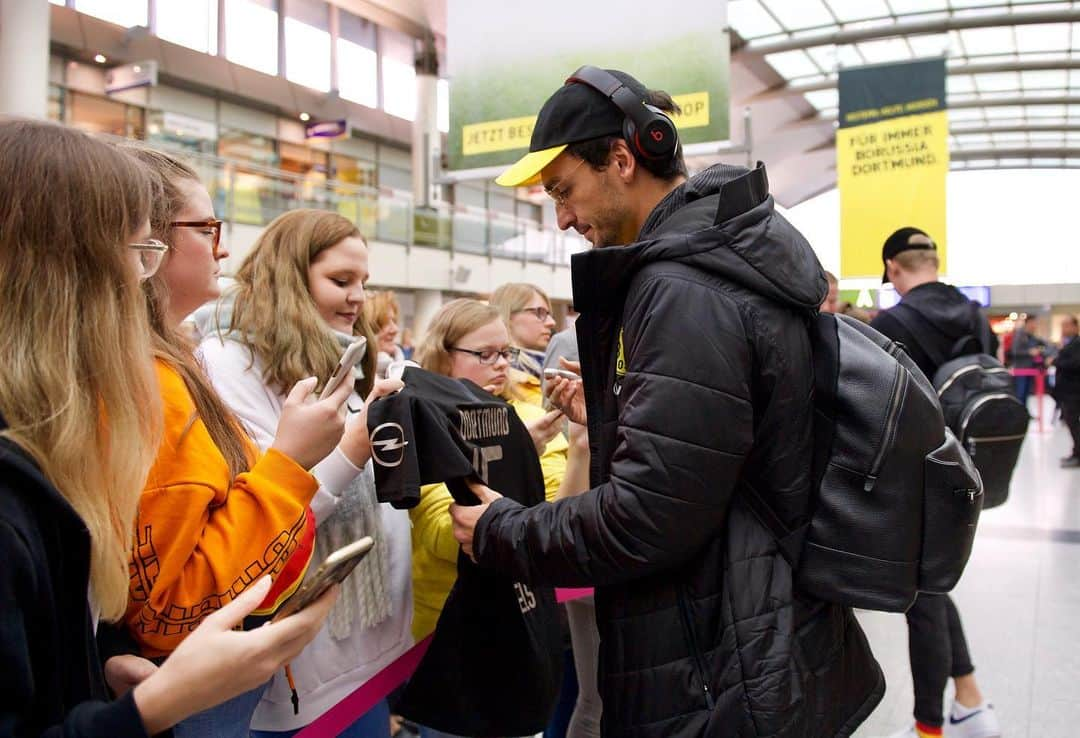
[
  {"x": 551, "y": 373},
  {"x": 333, "y": 570},
  {"x": 352, "y": 356}
]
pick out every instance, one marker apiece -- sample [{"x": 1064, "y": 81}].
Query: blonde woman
[
  {"x": 81, "y": 419},
  {"x": 469, "y": 340},
  {"x": 526, "y": 310},
  {"x": 215, "y": 514},
  {"x": 383, "y": 315},
  {"x": 297, "y": 303}
]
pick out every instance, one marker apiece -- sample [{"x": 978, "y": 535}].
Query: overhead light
[
  {"x": 100, "y": 58},
  {"x": 305, "y": 117}
]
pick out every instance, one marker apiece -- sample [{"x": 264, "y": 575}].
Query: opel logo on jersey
[{"x": 388, "y": 445}]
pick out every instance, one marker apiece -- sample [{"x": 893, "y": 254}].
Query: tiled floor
[{"x": 1020, "y": 604}]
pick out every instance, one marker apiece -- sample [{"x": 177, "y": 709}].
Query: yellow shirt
[
  {"x": 527, "y": 388},
  {"x": 434, "y": 561}
]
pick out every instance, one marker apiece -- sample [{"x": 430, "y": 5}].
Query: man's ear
[{"x": 622, "y": 161}]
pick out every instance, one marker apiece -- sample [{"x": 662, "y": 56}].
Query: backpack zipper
[
  {"x": 962, "y": 425},
  {"x": 964, "y": 370},
  {"x": 972, "y": 442},
  {"x": 895, "y": 404},
  {"x": 691, "y": 636}
]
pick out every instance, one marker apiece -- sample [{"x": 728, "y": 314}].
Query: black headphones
[{"x": 649, "y": 132}]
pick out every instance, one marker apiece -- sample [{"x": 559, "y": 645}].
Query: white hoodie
[{"x": 327, "y": 670}]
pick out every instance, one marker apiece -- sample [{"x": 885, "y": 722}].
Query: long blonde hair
[
  {"x": 512, "y": 297},
  {"x": 274, "y": 313},
  {"x": 170, "y": 345},
  {"x": 455, "y": 320},
  {"x": 78, "y": 389}
]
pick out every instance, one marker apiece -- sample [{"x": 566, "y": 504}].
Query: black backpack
[
  {"x": 979, "y": 403},
  {"x": 896, "y": 497}
]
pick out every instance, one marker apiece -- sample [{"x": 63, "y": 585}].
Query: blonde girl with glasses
[
  {"x": 216, "y": 513},
  {"x": 81, "y": 421},
  {"x": 297, "y": 304},
  {"x": 526, "y": 310},
  {"x": 469, "y": 340}
]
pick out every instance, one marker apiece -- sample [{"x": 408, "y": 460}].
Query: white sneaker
[{"x": 972, "y": 722}]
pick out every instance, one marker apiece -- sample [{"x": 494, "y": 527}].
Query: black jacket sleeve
[
  {"x": 90, "y": 719},
  {"x": 1068, "y": 359},
  {"x": 684, "y": 428}
]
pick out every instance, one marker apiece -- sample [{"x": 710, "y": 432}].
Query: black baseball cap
[
  {"x": 898, "y": 242},
  {"x": 576, "y": 112}
]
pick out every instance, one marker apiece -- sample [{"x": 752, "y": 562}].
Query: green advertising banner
[{"x": 505, "y": 60}]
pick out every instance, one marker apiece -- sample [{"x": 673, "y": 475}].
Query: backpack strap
[
  {"x": 789, "y": 542},
  {"x": 909, "y": 317}
]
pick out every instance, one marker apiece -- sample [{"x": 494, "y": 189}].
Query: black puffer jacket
[{"x": 696, "y": 363}]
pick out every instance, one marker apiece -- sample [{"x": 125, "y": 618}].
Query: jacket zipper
[
  {"x": 895, "y": 404},
  {"x": 965, "y": 370},
  {"x": 699, "y": 659},
  {"x": 962, "y": 429}
]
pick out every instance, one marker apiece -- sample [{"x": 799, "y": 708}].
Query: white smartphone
[
  {"x": 333, "y": 570},
  {"x": 352, "y": 356},
  {"x": 552, "y": 372}
]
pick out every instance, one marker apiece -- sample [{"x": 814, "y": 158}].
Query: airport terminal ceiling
[{"x": 1013, "y": 79}]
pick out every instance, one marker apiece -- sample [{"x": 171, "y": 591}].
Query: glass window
[
  {"x": 307, "y": 43},
  {"x": 246, "y": 147},
  {"x": 181, "y": 131},
  {"x": 125, "y": 13},
  {"x": 358, "y": 70},
  {"x": 398, "y": 73},
  {"x": 56, "y": 103},
  {"x": 190, "y": 23},
  {"x": 251, "y": 34},
  {"x": 352, "y": 171},
  {"x": 303, "y": 160},
  {"x": 98, "y": 114}
]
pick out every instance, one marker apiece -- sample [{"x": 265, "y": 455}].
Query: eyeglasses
[
  {"x": 541, "y": 313},
  {"x": 490, "y": 356},
  {"x": 151, "y": 253},
  {"x": 211, "y": 227},
  {"x": 560, "y": 192}
]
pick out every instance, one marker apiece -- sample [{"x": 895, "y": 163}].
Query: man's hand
[
  {"x": 465, "y": 517},
  {"x": 568, "y": 395}
]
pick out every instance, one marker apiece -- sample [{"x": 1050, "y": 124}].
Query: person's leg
[
  {"x": 1023, "y": 389},
  {"x": 962, "y": 672},
  {"x": 231, "y": 719},
  {"x": 585, "y": 722},
  {"x": 1070, "y": 411},
  {"x": 931, "y": 657},
  {"x": 564, "y": 706}
]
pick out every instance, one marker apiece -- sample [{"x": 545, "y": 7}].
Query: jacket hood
[
  {"x": 944, "y": 307},
  {"x": 756, "y": 247}
]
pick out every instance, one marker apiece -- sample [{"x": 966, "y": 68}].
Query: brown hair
[
  {"x": 274, "y": 314},
  {"x": 78, "y": 389},
  {"x": 455, "y": 319},
  {"x": 379, "y": 308},
  {"x": 831, "y": 278},
  {"x": 170, "y": 344}
]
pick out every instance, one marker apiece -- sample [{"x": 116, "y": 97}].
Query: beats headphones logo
[{"x": 657, "y": 135}]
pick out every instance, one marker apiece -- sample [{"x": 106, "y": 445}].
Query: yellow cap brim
[{"x": 526, "y": 171}]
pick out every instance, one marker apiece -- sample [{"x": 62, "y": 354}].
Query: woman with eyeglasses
[
  {"x": 81, "y": 420},
  {"x": 469, "y": 340},
  {"x": 526, "y": 311},
  {"x": 215, "y": 514},
  {"x": 298, "y": 302}
]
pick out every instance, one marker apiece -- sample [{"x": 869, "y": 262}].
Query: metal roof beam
[
  {"x": 910, "y": 28},
  {"x": 1020, "y": 152},
  {"x": 813, "y": 120},
  {"x": 792, "y": 90}
]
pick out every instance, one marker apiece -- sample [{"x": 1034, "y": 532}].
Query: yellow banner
[
  {"x": 514, "y": 133},
  {"x": 695, "y": 110},
  {"x": 891, "y": 174},
  {"x": 497, "y": 135}
]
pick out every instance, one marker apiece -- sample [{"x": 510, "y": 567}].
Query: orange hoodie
[{"x": 199, "y": 541}]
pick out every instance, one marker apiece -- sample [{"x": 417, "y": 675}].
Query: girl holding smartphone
[
  {"x": 81, "y": 419},
  {"x": 297, "y": 304}
]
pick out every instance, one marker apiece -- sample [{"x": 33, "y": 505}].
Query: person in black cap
[
  {"x": 929, "y": 322},
  {"x": 696, "y": 364}
]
